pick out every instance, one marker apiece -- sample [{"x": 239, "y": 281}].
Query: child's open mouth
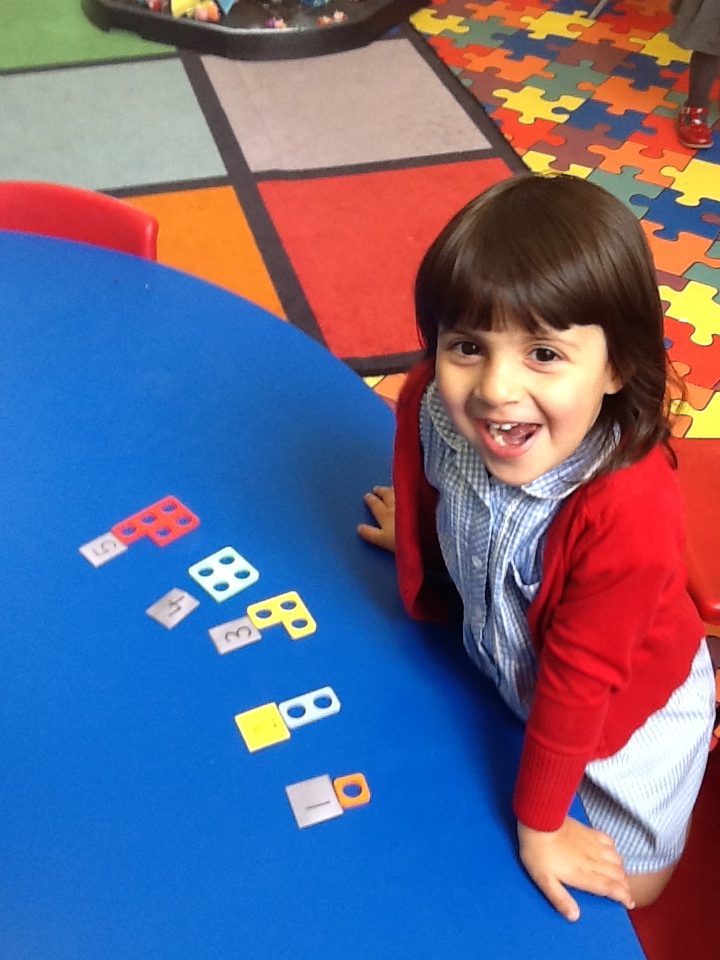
[{"x": 507, "y": 439}]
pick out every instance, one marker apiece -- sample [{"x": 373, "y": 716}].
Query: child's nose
[{"x": 499, "y": 382}]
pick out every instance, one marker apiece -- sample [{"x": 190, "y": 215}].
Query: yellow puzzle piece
[
  {"x": 694, "y": 305},
  {"x": 531, "y": 104},
  {"x": 661, "y": 49},
  {"x": 699, "y": 179},
  {"x": 543, "y": 163},
  {"x": 427, "y": 22},
  {"x": 551, "y": 24}
]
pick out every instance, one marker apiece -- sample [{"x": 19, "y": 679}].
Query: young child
[
  {"x": 531, "y": 466},
  {"x": 697, "y": 27}
]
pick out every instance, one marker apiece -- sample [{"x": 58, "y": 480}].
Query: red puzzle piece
[{"x": 163, "y": 522}]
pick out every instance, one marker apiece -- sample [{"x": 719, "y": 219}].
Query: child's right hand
[
  {"x": 381, "y": 504},
  {"x": 574, "y": 856}
]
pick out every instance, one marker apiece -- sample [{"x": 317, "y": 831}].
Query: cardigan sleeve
[
  {"x": 612, "y": 628},
  {"x": 422, "y": 578}
]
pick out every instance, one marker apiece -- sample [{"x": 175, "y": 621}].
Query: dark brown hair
[{"x": 560, "y": 251}]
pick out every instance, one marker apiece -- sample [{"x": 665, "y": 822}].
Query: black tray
[{"x": 242, "y": 34}]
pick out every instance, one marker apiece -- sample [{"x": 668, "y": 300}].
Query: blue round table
[{"x": 136, "y": 824}]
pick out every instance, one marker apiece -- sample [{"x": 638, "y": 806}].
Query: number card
[
  {"x": 224, "y": 574},
  {"x": 309, "y": 707},
  {"x": 313, "y": 801},
  {"x": 287, "y": 609},
  {"x": 171, "y": 609},
  {"x": 234, "y": 634},
  {"x": 102, "y": 549},
  {"x": 262, "y": 727},
  {"x": 163, "y": 522}
]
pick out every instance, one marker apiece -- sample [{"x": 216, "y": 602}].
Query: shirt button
[{"x": 476, "y": 561}]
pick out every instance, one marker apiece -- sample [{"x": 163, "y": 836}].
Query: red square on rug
[{"x": 356, "y": 241}]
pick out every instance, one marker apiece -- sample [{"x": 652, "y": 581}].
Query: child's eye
[
  {"x": 544, "y": 355},
  {"x": 466, "y": 347}
]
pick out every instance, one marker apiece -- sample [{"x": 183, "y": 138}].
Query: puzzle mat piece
[
  {"x": 658, "y": 134},
  {"x": 632, "y": 154},
  {"x": 287, "y": 609},
  {"x": 224, "y": 574},
  {"x": 705, "y": 423},
  {"x": 309, "y": 707},
  {"x": 522, "y": 135},
  {"x": 488, "y": 33},
  {"x": 352, "y": 790},
  {"x": 697, "y": 181},
  {"x": 601, "y": 30},
  {"x": 626, "y": 187},
  {"x": 313, "y": 801},
  {"x": 545, "y": 163},
  {"x": 644, "y": 72},
  {"x": 511, "y": 16},
  {"x": 428, "y": 22},
  {"x": 521, "y": 45},
  {"x": 515, "y": 71},
  {"x": 573, "y": 144},
  {"x": 171, "y": 609},
  {"x": 661, "y": 48},
  {"x": 532, "y": 105},
  {"x": 670, "y": 280},
  {"x": 677, "y": 256},
  {"x": 451, "y": 55},
  {"x": 483, "y": 86},
  {"x": 703, "y": 362},
  {"x": 626, "y": 18},
  {"x": 604, "y": 55},
  {"x": 593, "y": 113},
  {"x": 163, "y": 522},
  {"x": 262, "y": 727},
  {"x": 552, "y": 24},
  {"x": 710, "y": 276},
  {"x": 621, "y": 97},
  {"x": 695, "y": 305},
  {"x": 677, "y": 218},
  {"x": 102, "y": 549},
  {"x": 559, "y": 78},
  {"x": 697, "y": 397},
  {"x": 234, "y": 634}
]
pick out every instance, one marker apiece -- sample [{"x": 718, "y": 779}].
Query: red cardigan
[{"x": 613, "y": 627}]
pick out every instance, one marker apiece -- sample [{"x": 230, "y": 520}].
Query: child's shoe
[{"x": 692, "y": 128}]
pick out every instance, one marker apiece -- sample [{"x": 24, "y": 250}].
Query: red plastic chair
[
  {"x": 699, "y": 473},
  {"x": 72, "y": 213}
]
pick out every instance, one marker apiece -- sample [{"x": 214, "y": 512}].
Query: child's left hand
[{"x": 576, "y": 856}]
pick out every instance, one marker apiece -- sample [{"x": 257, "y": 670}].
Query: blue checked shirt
[{"x": 492, "y": 537}]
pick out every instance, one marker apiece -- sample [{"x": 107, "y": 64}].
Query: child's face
[{"x": 524, "y": 401}]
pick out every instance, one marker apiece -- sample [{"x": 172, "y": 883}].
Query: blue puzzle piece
[
  {"x": 646, "y": 73},
  {"x": 677, "y": 218},
  {"x": 521, "y": 45},
  {"x": 568, "y": 7},
  {"x": 592, "y": 113}
]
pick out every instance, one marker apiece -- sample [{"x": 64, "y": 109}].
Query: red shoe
[{"x": 692, "y": 128}]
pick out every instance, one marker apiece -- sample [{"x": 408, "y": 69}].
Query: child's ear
[{"x": 614, "y": 383}]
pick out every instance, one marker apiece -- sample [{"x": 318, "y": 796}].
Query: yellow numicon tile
[{"x": 262, "y": 727}]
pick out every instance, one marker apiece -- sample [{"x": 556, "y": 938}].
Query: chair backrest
[
  {"x": 72, "y": 213},
  {"x": 698, "y": 471}
]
